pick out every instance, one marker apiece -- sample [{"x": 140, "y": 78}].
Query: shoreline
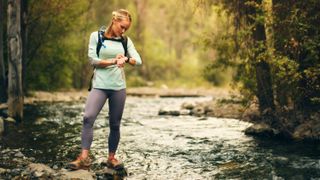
[{"x": 79, "y": 95}]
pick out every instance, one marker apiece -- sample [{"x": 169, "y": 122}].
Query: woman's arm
[
  {"x": 135, "y": 58},
  {"x": 92, "y": 54}
]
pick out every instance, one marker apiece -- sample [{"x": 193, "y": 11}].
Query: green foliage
[
  {"x": 135, "y": 81},
  {"x": 182, "y": 42},
  {"x": 58, "y": 33},
  {"x": 219, "y": 47},
  {"x": 217, "y": 76},
  {"x": 51, "y": 54},
  {"x": 297, "y": 38},
  {"x": 291, "y": 50}
]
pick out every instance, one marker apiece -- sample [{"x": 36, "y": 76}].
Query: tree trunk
[
  {"x": 24, "y": 38},
  {"x": 263, "y": 74},
  {"x": 15, "y": 93},
  {"x": 3, "y": 84},
  {"x": 140, "y": 21},
  {"x": 280, "y": 11}
]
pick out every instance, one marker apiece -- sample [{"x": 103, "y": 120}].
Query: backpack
[{"x": 101, "y": 38}]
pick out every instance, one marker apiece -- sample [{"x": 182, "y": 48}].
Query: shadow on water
[
  {"x": 48, "y": 132},
  {"x": 160, "y": 147}
]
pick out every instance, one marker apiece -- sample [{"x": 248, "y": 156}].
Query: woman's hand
[
  {"x": 120, "y": 60},
  {"x": 119, "y": 56}
]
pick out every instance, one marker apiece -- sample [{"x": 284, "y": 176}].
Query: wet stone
[
  {"x": 298, "y": 177},
  {"x": 185, "y": 112},
  {"x": 79, "y": 174},
  {"x": 1, "y": 126},
  {"x": 261, "y": 129},
  {"x": 198, "y": 111},
  {"x": 187, "y": 105},
  {"x": 38, "y": 174},
  {"x": 39, "y": 170},
  {"x": 19, "y": 154},
  {"x": 203, "y": 118},
  {"x": 155, "y": 147},
  {"x": 32, "y": 159},
  {"x": 281, "y": 161},
  {"x": 15, "y": 171},
  {"x": 2, "y": 171},
  {"x": 40, "y": 121},
  {"x": 169, "y": 112},
  {"x": 10, "y": 119}
]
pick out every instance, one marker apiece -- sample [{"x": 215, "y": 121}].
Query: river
[{"x": 161, "y": 147}]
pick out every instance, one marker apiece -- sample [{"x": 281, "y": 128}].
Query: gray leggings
[{"x": 94, "y": 104}]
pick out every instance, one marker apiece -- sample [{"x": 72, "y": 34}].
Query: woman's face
[{"x": 120, "y": 26}]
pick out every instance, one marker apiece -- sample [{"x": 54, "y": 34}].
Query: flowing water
[{"x": 161, "y": 147}]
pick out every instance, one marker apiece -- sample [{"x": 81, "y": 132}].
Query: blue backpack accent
[{"x": 101, "y": 38}]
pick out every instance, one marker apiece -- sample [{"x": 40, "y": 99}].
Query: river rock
[
  {"x": 11, "y": 120},
  {"x": 303, "y": 131},
  {"x": 169, "y": 112},
  {"x": 187, "y": 105},
  {"x": 101, "y": 160},
  {"x": 19, "y": 154},
  {"x": 15, "y": 171},
  {"x": 79, "y": 174},
  {"x": 2, "y": 171},
  {"x": 261, "y": 129},
  {"x": 55, "y": 167},
  {"x": 39, "y": 121},
  {"x": 39, "y": 171},
  {"x": 185, "y": 112},
  {"x": 198, "y": 110},
  {"x": 1, "y": 126},
  {"x": 251, "y": 114},
  {"x": 281, "y": 161},
  {"x": 308, "y": 128}
]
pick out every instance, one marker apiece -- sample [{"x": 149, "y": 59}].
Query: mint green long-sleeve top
[{"x": 111, "y": 77}]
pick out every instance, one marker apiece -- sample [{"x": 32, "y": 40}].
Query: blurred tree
[
  {"x": 54, "y": 36},
  {"x": 297, "y": 44},
  {"x": 255, "y": 19},
  {"x": 24, "y": 38},
  {"x": 81, "y": 70},
  {"x": 3, "y": 84},
  {"x": 274, "y": 45},
  {"x": 15, "y": 92}
]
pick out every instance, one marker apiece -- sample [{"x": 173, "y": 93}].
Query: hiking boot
[
  {"x": 114, "y": 164},
  {"x": 80, "y": 163}
]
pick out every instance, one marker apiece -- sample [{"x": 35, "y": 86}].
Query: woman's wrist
[
  {"x": 127, "y": 60},
  {"x": 113, "y": 61}
]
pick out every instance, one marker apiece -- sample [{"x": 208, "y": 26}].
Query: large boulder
[
  {"x": 262, "y": 130},
  {"x": 251, "y": 114},
  {"x": 36, "y": 170},
  {"x": 307, "y": 131},
  {"x": 41, "y": 171},
  {"x": 79, "y": 175}
]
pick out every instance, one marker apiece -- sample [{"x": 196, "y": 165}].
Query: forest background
[{"x": 267, "y": 49}]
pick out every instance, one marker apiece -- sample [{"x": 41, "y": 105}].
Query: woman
[{"x": 108, "y": 84}]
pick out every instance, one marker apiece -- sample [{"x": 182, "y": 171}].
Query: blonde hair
[{"x": 119, "y": 15}]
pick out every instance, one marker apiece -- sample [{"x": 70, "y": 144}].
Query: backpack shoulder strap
[
  {"x": 124, "y": 41},
  {"x": 99, "y": 44}
]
